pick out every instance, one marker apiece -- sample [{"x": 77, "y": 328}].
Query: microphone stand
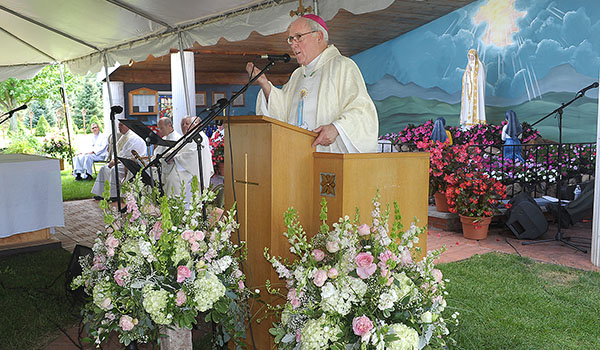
[
  {"x": 559, "y": 236},
  {"x": 116, "y": 110},
  {"x": 194, "y": 133},
  {"x": 8, "y": 115}
]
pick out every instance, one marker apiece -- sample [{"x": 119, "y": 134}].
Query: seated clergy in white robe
[
  {"x": 97, "y": 151},
  {"x": 128, "y": 142},
  {"x": 326, "y": 94},
  {"x": 184, "y": 165}
]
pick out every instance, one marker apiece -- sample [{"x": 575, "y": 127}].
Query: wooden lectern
[{"x": 275, "y": 167}]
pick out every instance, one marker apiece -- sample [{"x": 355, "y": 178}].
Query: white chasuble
[{"x": 329, "y": 90}]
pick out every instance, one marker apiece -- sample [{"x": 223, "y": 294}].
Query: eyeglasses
[{"x": 298, "y": 37}]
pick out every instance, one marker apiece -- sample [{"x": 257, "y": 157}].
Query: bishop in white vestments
[
  {"x": 128, "y": 142},
  {"x": 326, "y": 94}
]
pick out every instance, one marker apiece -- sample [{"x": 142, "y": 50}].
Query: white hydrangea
[
  {"x": 405, "y": 286},
  {"x": 155, "y": 303},
  {"x": 208, "y": 289},
  {"x": 146, "y": 250},
  {"x": 181, "y": 252},
  {"x": 317, "y": 334},
  {"x": 408, "y": 338}
]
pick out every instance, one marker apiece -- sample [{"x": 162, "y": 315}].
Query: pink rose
[
  {"x": 364, "y": 265},
  {"x": 180, "y": 298},
  {"x": 318, "y": 254},
  {"x": 332, "y": 246},
  {"x": 364, "y": 230},
  {"x": 295, "y": 303},
  {"x": 241, "y": 285},
  {"x": 120, "y": 275},
  {"x": 183, "y": 272},
  {"x": 320, "y": 278},
  {"x": 126, "y": 323},
  {"x": 332, "y": 273},
  {"x": 110, "y": 252},
  {"x": 362, "y": 326},
  {"x": 437, "y": 275},
  {"x": 195, "y": 247},
  {"x": 187, "y": 234},
  {"x": 199, "y": 235}
]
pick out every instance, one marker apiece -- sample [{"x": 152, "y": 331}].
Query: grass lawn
[
  {"x": 505, "y": 302},
  {"x": 33, "y": 298},
  {"x": 72, "y": 189},
  {"x": 509, "y": 302}
]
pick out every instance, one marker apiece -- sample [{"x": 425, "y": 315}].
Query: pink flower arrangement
[
  {"x": 183, "y": 272},
  {"x": 364, "y": 265},
  {"x": 362, "y": 326}
]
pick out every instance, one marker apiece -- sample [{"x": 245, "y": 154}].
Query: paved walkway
[{"x": 83, "y": 219}]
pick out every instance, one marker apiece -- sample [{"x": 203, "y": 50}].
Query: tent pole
[
  {"x": 185, "y": 85},
  {"x": 66, "y": 108},
  {"x": 316, "y": 7},
  {"x": 114, "y": 132}
]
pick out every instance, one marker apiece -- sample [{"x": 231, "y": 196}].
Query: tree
[
  {"x": 42, "y": 127},
  {"x": 45, "y": 85},
  {"x": 87, "y": 101}
]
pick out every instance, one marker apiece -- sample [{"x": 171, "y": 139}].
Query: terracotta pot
[
  {"x": 221, "y": 168},
  {"x": 441, "y": 202},
  {"x": 62, "y": 164},
  {"x": 475, "y": 230}
]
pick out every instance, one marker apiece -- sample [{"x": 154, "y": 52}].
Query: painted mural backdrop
[{"x": 537, "y": 55}]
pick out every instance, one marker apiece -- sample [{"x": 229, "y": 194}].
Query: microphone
[
  {"x": 116, "y": 109},
  {"x": 593, "y": 86},
  {"x": 285, "y": 57},
  {"x": 16, "y": 109}
]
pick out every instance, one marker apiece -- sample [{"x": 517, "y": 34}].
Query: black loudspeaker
[
  {"x": 525, "y": 218},
  {"x": 74, "y": 270}
]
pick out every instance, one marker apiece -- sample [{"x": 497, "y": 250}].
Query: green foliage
[
  {"x": 20, "y": 142},
  {"x": 42, "y": 127},
  {"x": 87, "y": 98}
]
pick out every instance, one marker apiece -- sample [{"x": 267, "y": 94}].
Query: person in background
[
  {"x": 97, "y": 151},
  {"x": 127, "y": 143},
  {"x": 185, "y": 164},
  {"x": 439, "y": 133},
  {"x": 326, "y": 94},
  {"x": 511, "y": 134}
]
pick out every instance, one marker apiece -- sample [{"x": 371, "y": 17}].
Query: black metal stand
[
  {"x": 558, "y": 237},
  {"x": 193, "y": 133},
  {"x": 10, "y": 113},
  {"x": 113, "y": 111}
]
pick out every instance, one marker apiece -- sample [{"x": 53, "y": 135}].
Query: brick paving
[{"x": 84, "y": 218}]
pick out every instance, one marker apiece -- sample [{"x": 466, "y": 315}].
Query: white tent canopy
[{"x": 35, "y": 33}]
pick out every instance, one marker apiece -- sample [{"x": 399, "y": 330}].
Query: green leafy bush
[
  {"x": 20, "y": 142},
  {"x": 42, "y": 127}
]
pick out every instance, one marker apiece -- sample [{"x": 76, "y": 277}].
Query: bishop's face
[{"x": 309, "y": 45}]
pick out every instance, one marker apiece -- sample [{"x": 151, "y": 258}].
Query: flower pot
[
  {"x": 221, "y": 168},
  {"x": 441, "y": 202},
  {"x": 475, "y": 230},
  {"x": 62, "y": 164}
]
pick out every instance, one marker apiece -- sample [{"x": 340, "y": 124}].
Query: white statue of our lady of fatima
[{"x": 472, "y": 107}]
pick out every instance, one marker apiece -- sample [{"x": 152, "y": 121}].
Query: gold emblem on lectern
[{"x": 327, "y": 184}]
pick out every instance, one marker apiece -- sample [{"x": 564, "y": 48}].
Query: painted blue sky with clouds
[{"x": 552, "y": 33}]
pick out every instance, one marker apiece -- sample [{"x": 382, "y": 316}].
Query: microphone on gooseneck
[
  {"x": 285, "y": 57},
  {"x": 592, "y": 86}
]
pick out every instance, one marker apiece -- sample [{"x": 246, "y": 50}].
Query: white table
[{"x": 30, "y": 194}]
